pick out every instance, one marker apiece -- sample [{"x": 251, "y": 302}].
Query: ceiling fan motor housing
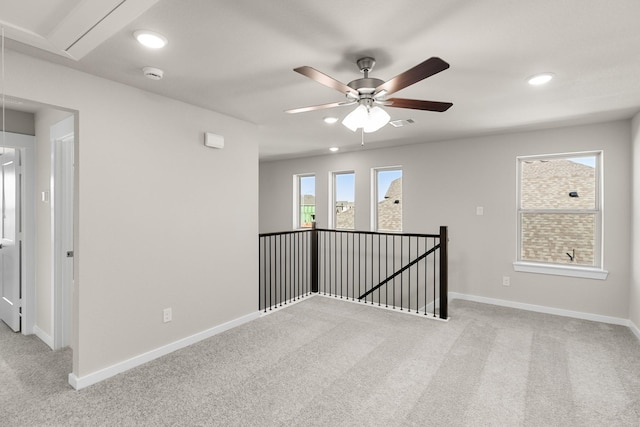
[
  {"x": 366, "y": 64},
  {"x": 366, "y": 85}
]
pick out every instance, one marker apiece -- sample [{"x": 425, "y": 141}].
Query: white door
[{"x": 9, "y": 238}]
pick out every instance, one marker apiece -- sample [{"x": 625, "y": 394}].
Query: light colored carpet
[{"x": 325, "y": 362}]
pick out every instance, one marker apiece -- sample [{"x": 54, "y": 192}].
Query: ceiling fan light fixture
[
  {"x": 369, "y": 119},
  {"x": 150, "y": 39},
  {"x": 376, "y": 120},
  {"x": 540, "y": 79},
  {"x": 356, "y": 119}
]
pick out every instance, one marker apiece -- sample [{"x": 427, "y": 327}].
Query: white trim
[
  {"x": 541, "y": 309},
  {"x": 110, "y": 371},
  {"x": 561, "y": 270},
  {"x": 297, "y": 188},
  {"x": 420, "y": 314},
  {"x": 374, "y": 197},
  {"x": 598, "y": 212},
  {"x": 46, "y": 338},
  {"x": 332, "y": 214},
  {"x": 634, "y": 329}
]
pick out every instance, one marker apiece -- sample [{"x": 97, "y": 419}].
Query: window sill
[{"x": 561, "y": 270}]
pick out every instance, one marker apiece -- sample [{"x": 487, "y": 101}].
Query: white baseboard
[
  {"x": 420, "y": 312},
  {"x": 108, "y": 372},
  {"x": 634, "y": 329},
  {"x": 47, "y": 339},
  {"x": 543, "y": 309}
]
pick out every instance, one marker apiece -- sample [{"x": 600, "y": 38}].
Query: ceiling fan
[{"x": 371, "y": 93}]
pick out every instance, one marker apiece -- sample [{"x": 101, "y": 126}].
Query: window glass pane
[
  {"x": 345, "y": 192},
  {"x": 389, "y": 203},
  {"x": 568, "y": 183},
  {"x": 558, "y": 237},
  {"x": 307, "y": 198}
]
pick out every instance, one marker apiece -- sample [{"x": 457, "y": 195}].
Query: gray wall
[
  {"x": 19, "y": 122},
  {"x": 158, "y": 218},
  {"x": 634, "y": 297},
  {"x": 444, "y": 182}
]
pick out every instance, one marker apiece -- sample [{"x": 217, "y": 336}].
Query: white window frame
[
  {"x": 296, "y": 199},
  {"x": 595, "y": 272},
  {"x": 333, "y": 222},
  {"x": 374, "y": 198}
]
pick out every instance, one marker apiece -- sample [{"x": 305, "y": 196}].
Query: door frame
[
  {"x": 27, "y": 145},
  {"x": 62, "y": 186}
]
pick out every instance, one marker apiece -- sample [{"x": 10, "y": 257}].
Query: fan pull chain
[{"x": 362, "y": 137}]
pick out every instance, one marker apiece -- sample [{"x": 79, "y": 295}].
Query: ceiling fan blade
[
  {"x": 323, "y": 79},
  {"x": 319, "y": 107},
  {"x": 416, "y": 104},
  {"x": 421, "y": 71}
]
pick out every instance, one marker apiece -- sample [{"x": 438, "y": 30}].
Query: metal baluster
[
  {"x": 426, "y": 244},
  {"x": 386, "y": 269},
  {"x": 347, "y": 275},
  {"x": 417, "y": 274},
  {"x": 325, "y": 261},
  {"x": 280, "y": 267},
  {"x": 402, "y": 275},
  {"x": 335, "y": 267},
  {"x": 270, "y": 282},
  {"x": 260, "y": 272},
  {"x": 341, "y": 264},
  {"x": 409, "y": 277},
  {"x": 359, "y": 265},
  {"x": 393, "y": 239},
  {"x": 434, "y": 279},
  {"x": 353, "y": 270},
  {"x": 367, "y": 261},
  {"x": 290, "y": 272},
  {"x": 286, "y": 268},
  {"x": 372, "y": 268}
]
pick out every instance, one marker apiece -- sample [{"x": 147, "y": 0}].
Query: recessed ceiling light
[
  {"x": 330, "y": 120},
  {"x": 540, "y": 79},
  {"x": 333, "y": 149},
  {"x": 150, "y": 39}
]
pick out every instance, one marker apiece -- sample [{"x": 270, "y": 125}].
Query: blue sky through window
[
  {"x": 385, "y": 177},
  {"x": 345, "y": 187},
  {"x": 588, "y": 161},
  {"x": 308, "y": 185}
]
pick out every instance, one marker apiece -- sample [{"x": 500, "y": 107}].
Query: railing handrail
[
  {"x": 278, "y": 233},
  {"x": 339, "y": 230}
]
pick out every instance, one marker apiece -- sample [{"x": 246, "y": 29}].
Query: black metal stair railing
[
  {"x": 285, "y": 267},
  {"x": 405, "y": 271}
]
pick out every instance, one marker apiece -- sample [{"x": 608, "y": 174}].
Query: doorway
[
  {"x": 17, "y": 226},
  {"x": 62, "y": 190}
]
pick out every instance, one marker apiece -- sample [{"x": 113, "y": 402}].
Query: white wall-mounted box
[{"x": 214, "y": 141}]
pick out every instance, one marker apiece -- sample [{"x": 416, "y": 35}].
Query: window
[
  {"x": 387, "y": 190},
  {"x": 343, "y": 204},
  {"x": 305, "y": 200},
  {"x": 559, "y": 214}
]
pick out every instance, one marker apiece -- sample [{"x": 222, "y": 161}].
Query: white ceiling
[{"x": 236, "y": 57}]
